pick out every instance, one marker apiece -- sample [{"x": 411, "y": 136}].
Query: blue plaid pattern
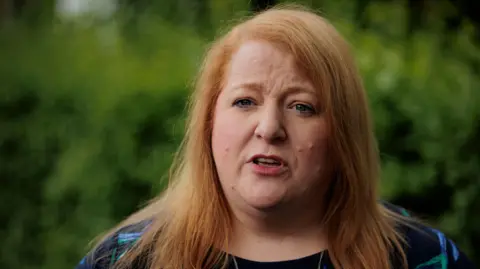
[{"x": 427, "y": 249}]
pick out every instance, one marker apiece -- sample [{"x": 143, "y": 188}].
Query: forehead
[
  {"x": 263, "y": 51},
  {"x": 257, "y": 59}
]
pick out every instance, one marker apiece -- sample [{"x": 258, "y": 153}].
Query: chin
[
  {"x": 263, "y": 195},
  {"x": 264, "y": 203}
]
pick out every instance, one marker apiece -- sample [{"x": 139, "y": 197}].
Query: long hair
[{"x": 191, "y": 221}]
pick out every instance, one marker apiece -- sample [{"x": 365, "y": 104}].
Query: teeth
[{"x": 267, "y": 160}]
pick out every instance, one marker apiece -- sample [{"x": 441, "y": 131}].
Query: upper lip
[{"x": 273, "y": 157}]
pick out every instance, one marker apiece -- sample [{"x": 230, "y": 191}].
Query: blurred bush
[
  {"x": 88, "y": 128},
  {"x": 425, "y": 98},
  {"x": 91, "y": 113}
]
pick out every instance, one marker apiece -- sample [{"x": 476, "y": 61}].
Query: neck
[{"x": 277, "y": 234}]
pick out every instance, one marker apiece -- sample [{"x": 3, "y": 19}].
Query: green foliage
[
  {"x": 89, "y": 125},
  {"x": 425, "y": 102},
  {"x": 91, "y": 114}
]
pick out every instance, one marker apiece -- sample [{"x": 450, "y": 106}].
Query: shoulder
[
  {"x": 429, "y": 248},
  {"x": 113, "y": 247}
]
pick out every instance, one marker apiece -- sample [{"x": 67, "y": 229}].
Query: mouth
[
  {"x": 268, "y": 165},
  {"x": 267, "y": 160}
]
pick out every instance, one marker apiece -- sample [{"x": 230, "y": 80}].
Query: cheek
[
  {"x": 312, "y": 162},
  {"x": 312, "y": 152},
  {"x": 220, "y": 143},
  {"x": 312, "y": 140},
  {"x": 224, "y": 134}
]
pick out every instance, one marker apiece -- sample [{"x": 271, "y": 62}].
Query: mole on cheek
[
  {"x": 225, "y": 151},
  {"x": 310, "y": 145}
]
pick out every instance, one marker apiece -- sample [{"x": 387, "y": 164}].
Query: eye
[
  {"x": 304, "y": 109},
  {"x": 243, "y": 103}
]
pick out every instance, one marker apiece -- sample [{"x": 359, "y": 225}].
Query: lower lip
[{"x": 264, "y": 170}]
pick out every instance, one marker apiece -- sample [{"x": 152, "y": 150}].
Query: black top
[
  {"x": 427, "y": 249},
  {"x": 307, "y": 262}
]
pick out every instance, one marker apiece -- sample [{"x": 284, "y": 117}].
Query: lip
[
  {"x": 274, "y": 157},
  {"x": 264, "y": 170}
]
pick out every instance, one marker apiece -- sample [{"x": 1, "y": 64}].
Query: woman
[{"x": 278, "y": 168}]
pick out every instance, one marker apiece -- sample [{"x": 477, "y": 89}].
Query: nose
[{"x": 270, "y": 125}]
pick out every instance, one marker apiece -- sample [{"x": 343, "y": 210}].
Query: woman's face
[{"x": 269, "y": 133}]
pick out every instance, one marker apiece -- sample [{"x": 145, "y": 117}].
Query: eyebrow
[
  {"x": 295, "y": 88},
  {"x": 249, "y": 85}
]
